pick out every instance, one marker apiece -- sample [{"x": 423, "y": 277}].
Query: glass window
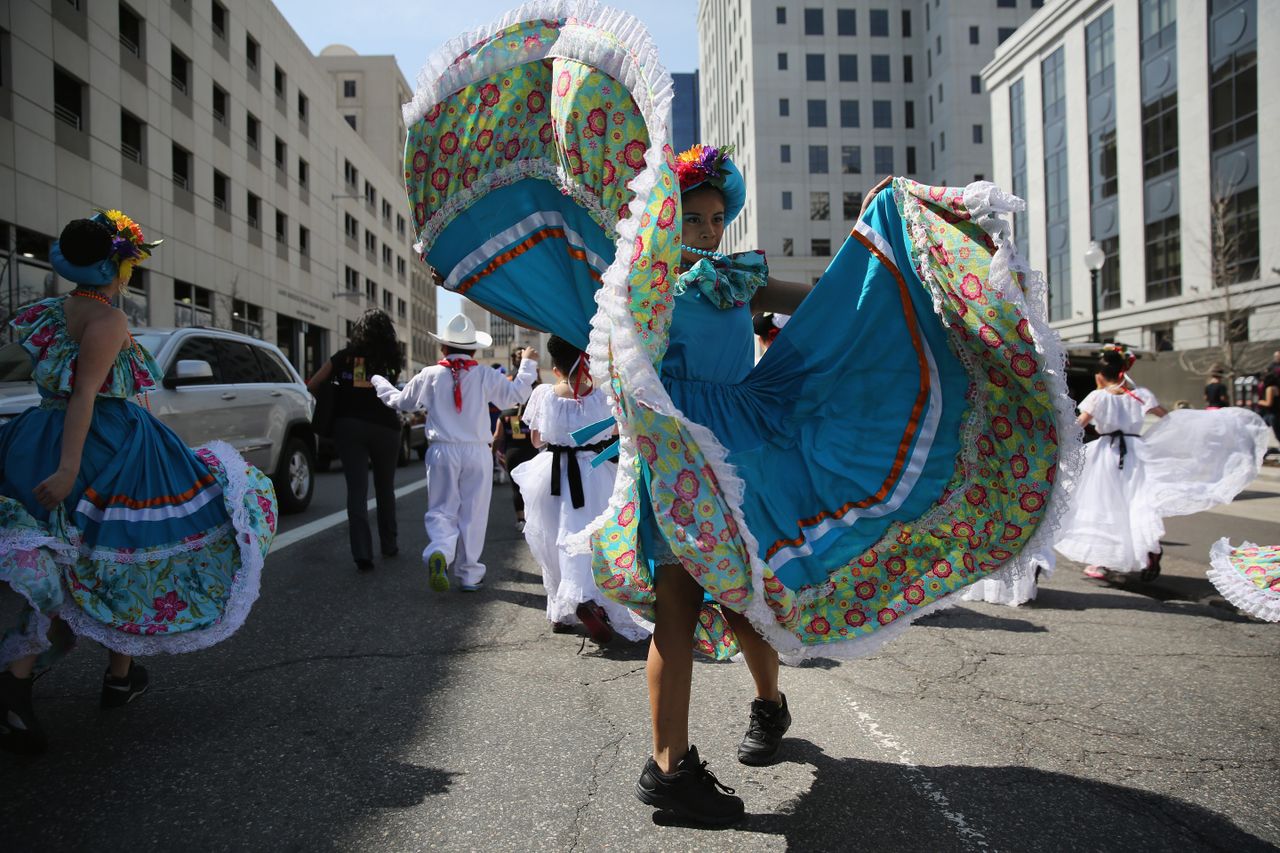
[
  {"x": 238, "y": 363},
  {"x": 846, "y": 22},
  {"x": 1109, "y": 275},
  {"x": 906, "y": 23},
  {"x": 882, "y": 114},
  {"x": 820, "y": 247},
  {"x": 884, "y": 159},
  {"x": 974, "y": 37},
  {"x": 908, "y": 71},
  {"x": 132, "y": 137},
  {"x": 849, "y": 114},
  {"x": 786, "y": 199},
  {"x": 909, "y": 114},
  {"x": 818, "y": 160},
  {"x": 911, "y": 159},
  {"x": 784, "y": 154},
  {"x": 847, "y": 64},
  {"x": 1164, "y": 259},
  {"x": 851, "y": 159},
  {"x": 977, "y": 134},
  {"x": 784, "y": 107},
  {"x": 879, "y": 68},
  {"x": 975, "y": 84},
  {"x": 1003, "y": 34},
  {"x": 1234, "y": 237},
  {"x": 815, "y": 66},
  {"x": 1233, "y": 98},
  {"x": 851, "y": 203},
  {"x": 819, "y": 206},
  {"x": 271, "y": 367},
  {"x": 251, "y": 52},
  {"x": 817, "y": 112},
  {"x": 788, "y": 246},
  {"x": 1007, "y": 4},
  {"x": 780, "y": 14},
  {"x": 782, "y": 61},
  {"x": 880, "y": 22},
  {"x": 813, "y": 22}
]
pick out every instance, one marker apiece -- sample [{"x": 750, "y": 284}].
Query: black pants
[
  {"x": 517, "y": 455},
  {"x": 360, "y": 444}
]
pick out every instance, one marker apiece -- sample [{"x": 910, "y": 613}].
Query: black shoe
[
  {"x": 118, "y": 692},
  {"x": 20, "y": 731},
  {"x": 691, "y": 792},
  {"x": 1152, "y": 571},
  {"x": 364, "y": 565},
  {"x": 390, "y": 552},
  {"x": 769, "y": 722}
]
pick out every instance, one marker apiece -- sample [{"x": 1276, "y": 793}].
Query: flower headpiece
[
  {"x": 701, "y": 163},
  {"x": 1122, "y": 351},
  {"x": 128, "y": 243}
]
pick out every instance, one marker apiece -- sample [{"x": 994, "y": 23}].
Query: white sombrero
[{"x": 461, "y": 333}]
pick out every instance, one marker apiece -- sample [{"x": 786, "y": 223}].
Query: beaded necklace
[{"x": 143, "y": 399}]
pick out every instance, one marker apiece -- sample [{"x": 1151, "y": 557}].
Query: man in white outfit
[{"x": 456, "y": 394}]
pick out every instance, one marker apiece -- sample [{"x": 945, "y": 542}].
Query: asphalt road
[{"x": 363, "y": 712}]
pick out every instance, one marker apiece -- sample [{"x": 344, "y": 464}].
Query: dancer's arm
[
  {"x": 504, "y": 393},
  {"x": 408, "y": 400},
  {"x": 102, "y": 341},
  {"x": 320, "y": 377}
]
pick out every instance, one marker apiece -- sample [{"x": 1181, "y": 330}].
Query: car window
[
  {"x": 200, "y": 349},
  {"x": 238, "y": 364},
  {"x": 273, "y": 369}
]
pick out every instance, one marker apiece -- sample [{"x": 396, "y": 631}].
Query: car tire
[
  {"x": 295, "y": 479},
  {"x": 402, "y": 455}
]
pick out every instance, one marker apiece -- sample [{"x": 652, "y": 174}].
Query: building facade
[
  {"x": 212, "y": 125},
  {"x": 822, "y": 98},
  {"x": 685, "y": 108},
  {"x": 1138, "y": 125}
]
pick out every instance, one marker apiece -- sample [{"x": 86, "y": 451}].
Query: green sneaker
[{"x": 438, "y": 572}]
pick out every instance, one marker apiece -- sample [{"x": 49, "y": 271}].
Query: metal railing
[
  {"x": 131, "y": 45},
  {"x": 67, "y": 115},
  {"x": 132, "y": 153}
]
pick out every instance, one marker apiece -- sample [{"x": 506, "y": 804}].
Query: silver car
[{"x": 217, "y": 385}]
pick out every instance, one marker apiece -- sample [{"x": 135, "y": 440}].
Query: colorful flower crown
[
  {"x": 701, "y": 163},
  {"x": 128, "y": 242},
  {"x": 1123, "y": 352}
]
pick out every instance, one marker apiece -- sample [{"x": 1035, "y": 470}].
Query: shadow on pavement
[
  {"x": 974, "y": 620},
  {"x": 1062, "y": 599},
  {"x": 855, "y": 803}
]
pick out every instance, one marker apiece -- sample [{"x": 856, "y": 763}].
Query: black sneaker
[
  {"x": 691, "y": 792},
  {"x": 118, "y": 692},
  {"x": 364, "y": 565},
  {"x": 20, "y": 731},
  {"x": 769, "y": 722}
]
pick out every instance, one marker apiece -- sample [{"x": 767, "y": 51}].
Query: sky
[{"x": 411, "y": 30}]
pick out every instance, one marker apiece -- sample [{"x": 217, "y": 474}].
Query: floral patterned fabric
[
  {"x": 829, "y": 517},
  {"x": 1248, "y": 577},
  {"x": 42, "y": 328},
  {"x": 158, "y": 548}
]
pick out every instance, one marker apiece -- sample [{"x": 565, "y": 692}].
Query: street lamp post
[{"x": 1094, "y": 259}]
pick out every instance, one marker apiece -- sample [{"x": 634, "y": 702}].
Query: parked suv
[{"x": 217, "y": 385}]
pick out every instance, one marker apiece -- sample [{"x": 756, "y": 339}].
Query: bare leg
[
  {"x": 670, "y": 665},
  {"x": 118, "y": 664},
  {"x": 762, "y": 658}
]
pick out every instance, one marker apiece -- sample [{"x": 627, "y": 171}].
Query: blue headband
[{"x": 98, "y": 274}]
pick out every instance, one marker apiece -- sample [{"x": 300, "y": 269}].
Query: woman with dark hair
[
  {"x": 111, "y": 528},
  {"x": 365, "y": 432},
  {"x": 1188, "y": 462}
]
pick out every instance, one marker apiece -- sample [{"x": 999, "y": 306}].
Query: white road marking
[
  {"x": 918, "y": 780},
  {"x": 311, "y": 528}
]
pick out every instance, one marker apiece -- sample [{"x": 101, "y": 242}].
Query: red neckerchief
[{"x": 457, "y": 366}]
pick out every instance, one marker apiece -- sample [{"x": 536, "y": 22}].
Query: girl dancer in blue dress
[{"x": 110, "y": 527}]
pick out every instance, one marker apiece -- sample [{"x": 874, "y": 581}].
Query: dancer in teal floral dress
[{"x": 110, "y": 527}]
